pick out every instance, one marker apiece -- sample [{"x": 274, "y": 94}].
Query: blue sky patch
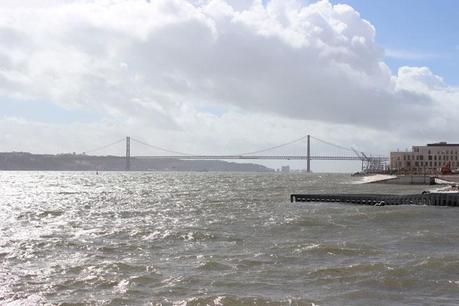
[{"x": 420, "y": 32}]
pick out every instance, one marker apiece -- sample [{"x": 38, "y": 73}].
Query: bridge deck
[{"x": 267, "y": 157}]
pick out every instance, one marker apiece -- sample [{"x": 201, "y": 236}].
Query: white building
[{"x": 426, "y": 159}]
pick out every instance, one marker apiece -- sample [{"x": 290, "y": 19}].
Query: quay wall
[{"x": 409, "y": 180}]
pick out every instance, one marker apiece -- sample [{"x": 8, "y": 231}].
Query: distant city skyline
[{"x": 219, "y": 77}]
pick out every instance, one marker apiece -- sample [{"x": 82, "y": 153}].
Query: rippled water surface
[{"x": 218, "y": 239}]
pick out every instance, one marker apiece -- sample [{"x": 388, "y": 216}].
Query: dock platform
[{"x": 434, "y": 199}]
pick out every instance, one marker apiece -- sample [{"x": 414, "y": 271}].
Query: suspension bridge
[{"x": 370, "y": 162}]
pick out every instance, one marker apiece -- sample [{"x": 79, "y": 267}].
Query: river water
[{"x": 136, "y": 238}]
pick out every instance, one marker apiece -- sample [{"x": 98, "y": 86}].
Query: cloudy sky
[{"x": 227, "y": 76}]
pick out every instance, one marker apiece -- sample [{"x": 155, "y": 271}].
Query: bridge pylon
[
  {"x": 308, "y": 155},
  {"x": 128, "y": 153}
]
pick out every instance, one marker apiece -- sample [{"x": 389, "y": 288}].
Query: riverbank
[{"x": 410, "y": 179}]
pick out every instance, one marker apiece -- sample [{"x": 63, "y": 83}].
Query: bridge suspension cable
[
  {"x": 103, "y": 147},
  {"x": 274, "y": 147},
  {"x": 245, "y": 153},
  {"x": 242, "y": 154},
  {"x": 333, "y": 144},
  {"x": 160, "y": 148}
]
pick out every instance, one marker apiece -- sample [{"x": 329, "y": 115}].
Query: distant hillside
[{"x": 75, "y": 162}]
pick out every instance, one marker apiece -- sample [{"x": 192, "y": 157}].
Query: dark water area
[{"x": 218, "y": 239}]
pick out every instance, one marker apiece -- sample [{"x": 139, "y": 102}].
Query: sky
[
  {"x": 416, "y": 33},
  {"x": 228, "y": 76}
]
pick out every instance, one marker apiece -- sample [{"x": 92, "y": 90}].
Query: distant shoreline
[{"x": 24, "y": 161}]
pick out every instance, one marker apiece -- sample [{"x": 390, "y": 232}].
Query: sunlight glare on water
[{"x": 218, "y": 239}]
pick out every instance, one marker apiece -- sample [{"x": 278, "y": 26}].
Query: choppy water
[{"x": 218, "y": 239}]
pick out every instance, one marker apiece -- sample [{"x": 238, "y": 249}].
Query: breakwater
[{"x": 434, "y": 199}]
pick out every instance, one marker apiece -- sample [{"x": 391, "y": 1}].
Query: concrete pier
[
  {"x": 409, "y": 180},
  {"x": 434, "y": 199}
]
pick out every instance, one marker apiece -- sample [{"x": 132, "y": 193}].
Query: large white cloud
[{"x": 159, "y": 64}]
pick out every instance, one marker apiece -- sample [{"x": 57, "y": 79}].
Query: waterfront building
[
  {"x": 427, "y": 159},
  {"x": 285, "y": 169}
]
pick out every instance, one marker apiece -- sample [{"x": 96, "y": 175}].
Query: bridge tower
[
  {"x": 308, "y": 156},
  {"x": 128, "y": 153}
]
